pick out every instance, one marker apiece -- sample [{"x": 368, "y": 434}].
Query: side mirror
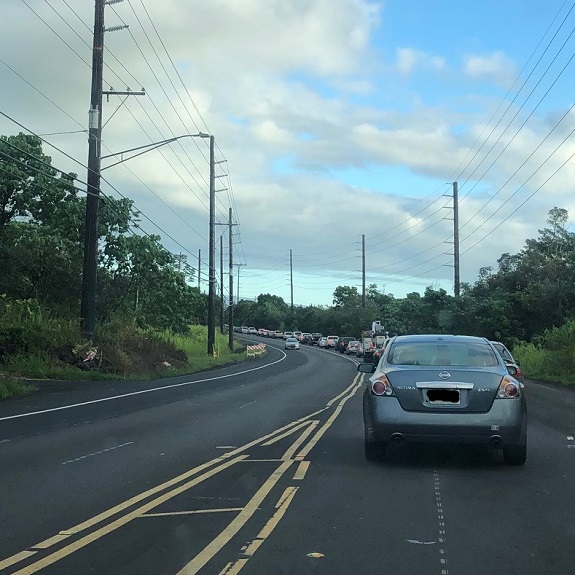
[
  {"x": 512, "y": 370},
  {"x": 366, "y": 368}
]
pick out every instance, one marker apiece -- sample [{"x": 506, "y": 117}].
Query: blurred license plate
[{"x": 449, "y": 396}]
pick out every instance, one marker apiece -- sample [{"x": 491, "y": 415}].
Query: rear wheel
[
  {"x": 374, "y": 451},
  {"x": 515, "y": 454}
]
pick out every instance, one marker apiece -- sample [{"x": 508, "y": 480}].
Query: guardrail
[{"x": 255, "y": 350}]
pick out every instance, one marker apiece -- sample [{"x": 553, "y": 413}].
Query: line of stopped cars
[{"x": 440, "y": 389}]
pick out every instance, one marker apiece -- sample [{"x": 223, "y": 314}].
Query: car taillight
[
  {"x": 381, "y": 386},
  {"x": 508, "y": 388}
]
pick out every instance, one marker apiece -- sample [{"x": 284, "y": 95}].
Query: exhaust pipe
[{"x": 496, "y": 441}]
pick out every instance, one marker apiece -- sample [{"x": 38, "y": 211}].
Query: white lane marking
[
  {"x": 97, "y": 452},
  {"x": 144, "y": 391},
  {"x": 416, "y": 542},
  {"x": 246, "y": 404},
  {"x": 440, "y": 523},
  {"x": 569, "y": 438},
  {"x": 225, "y": 446},
  {"x": 4, "y": 440}
]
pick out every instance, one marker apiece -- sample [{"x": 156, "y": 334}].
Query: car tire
[
  {"x": 374, "y": 451},
  {"x": 515, "y": 454}
]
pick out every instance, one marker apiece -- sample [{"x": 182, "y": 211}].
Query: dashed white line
[
  {"x": 246, "y": 404},
  {"x": 97, "y": 452},
  {"x": 441, "y": 524},
  {"x": 4, "y": 440}
]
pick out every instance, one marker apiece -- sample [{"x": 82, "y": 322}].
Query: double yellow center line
[{"x": 185, "y": 481}]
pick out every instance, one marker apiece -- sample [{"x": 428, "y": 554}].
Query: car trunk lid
[{"x": 469, "y": 390}]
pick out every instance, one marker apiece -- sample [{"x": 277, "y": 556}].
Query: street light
[
  {"x": 148, "y": 148},
  {"x": 88, "y": 307}
]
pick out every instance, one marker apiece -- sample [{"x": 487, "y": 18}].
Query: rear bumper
[{"x": 504, "y": 424}]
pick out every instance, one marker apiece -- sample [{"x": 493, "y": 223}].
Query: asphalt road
[{"x": 259, "y": 469}]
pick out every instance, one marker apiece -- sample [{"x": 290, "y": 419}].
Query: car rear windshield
[{"x": 442, "y": 353}]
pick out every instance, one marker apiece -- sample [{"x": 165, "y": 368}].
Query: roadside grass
[
  {"x": 194, "y": 345},
  {"x": 10, "y": 387},
  {"x": 42, "y": 366},
  {"x": 545, "y": 364},
  {"x": 129, "y": 354},
  {"x": 39, "y": 343}
]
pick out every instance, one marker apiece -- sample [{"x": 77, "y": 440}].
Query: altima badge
[{"x": 444, "y": 374}]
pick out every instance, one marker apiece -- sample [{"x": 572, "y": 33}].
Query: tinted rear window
[{"x": 442, "y": 353}]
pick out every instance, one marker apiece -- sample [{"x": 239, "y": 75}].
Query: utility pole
[
  {"x": 211, "y": 255},
  {"x": 230, "y": 225},
  {"x": 362, "y": 270},
  {"x": 199, "y": 267},
  {"x": 222, "y": 284},
  {"x": 238, "y": 290},
  {"x": 456, "y": 282},
  {"x": 291, "y": 280},
  {"x": 231, "y": 272},
  {"x": 88, "y": 303},
  {"x": 90, "y": 265}
]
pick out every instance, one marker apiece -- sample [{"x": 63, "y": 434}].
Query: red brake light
[
  {"x": 381, "y": 386},
  {"x": 508, "y": 388}
]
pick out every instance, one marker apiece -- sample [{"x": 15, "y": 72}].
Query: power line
[{"x": 459, "y": 176}]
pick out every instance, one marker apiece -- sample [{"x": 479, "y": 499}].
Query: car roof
[{"x": 440, "y": 337}]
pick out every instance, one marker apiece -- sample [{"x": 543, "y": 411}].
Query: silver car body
[
  {"x": 332, "y": 340},
  {"x": 444, "y": 389},
  {"x": 508, "y": 358},
  {"x": 291, "y": 343}
]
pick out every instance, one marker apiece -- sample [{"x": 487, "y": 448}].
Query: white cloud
[
  {"x": 496, "y": 66},
  {"x": 407, "y": 59}
]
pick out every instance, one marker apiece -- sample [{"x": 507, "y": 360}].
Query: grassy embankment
[
  {"x": 550, "y": 357},
  {"x": 36, "y": 344}
]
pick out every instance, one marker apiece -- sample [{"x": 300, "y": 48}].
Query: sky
[{"x": 333, "y": 120}]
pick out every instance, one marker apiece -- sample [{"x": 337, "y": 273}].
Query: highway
[{"x": 258, "y": 468}]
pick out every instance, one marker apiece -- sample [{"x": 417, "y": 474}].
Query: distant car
[
  {"x": 305, "y": 338},
  {"x": 297, "y": 334},
  {"x": 444, "y": 388},
  {"x": 378, "y": 351},
  {"x": 252, "y": 331},
  {"x": 245, "y": 329},
  {"x": 332, "y": 341},
  {"x": 351, "y": 347},
  {"x": 508, "y": 358},
  {"x": 315, "y": 337},
  {"x": 288, "y": 334},
  {"x": 359, "y": 352},
  {"x": 322, "y": 342},
  {"x": 342, "y": 343},
  {"x": 291, "y": 343},
  {"x": 278, "y": 334}
]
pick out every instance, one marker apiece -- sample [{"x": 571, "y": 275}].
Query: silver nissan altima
[{"x": 444, "y": 389}]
